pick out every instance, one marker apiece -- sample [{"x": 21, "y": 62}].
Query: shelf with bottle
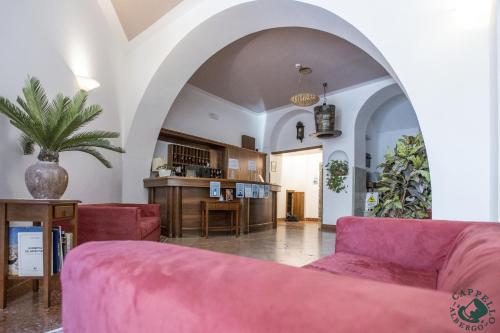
[{"x": 183, "y": 155}]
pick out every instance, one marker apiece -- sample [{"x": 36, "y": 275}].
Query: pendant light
[
  {"x": 302, "y": 98},
  {"x": 324, "y": 118}
]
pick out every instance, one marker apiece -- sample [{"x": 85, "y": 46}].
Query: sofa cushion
[
  {"x": 473, "y": 262},
  {"x": 374, "y": 269}
]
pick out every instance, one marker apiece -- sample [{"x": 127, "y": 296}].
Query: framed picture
[
  {"x": 214, "y": 189},
  {"x": 229, "y": 194},
  {"x": 240, "y": 190},
  {"x": 255, "y": 190},
  {"x": 248, "y": 190},
  {"x": 274, "y": 166}
]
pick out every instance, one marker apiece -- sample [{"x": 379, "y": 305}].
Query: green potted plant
[
  {"x": 54, "y": 127},
  {"x": 405, "y": 185},
  {"x": 337, "y": 171}
]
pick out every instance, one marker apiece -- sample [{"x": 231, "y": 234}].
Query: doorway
[{"x": 299, "y": 172}]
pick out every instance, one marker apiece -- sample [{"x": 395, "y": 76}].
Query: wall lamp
[{"x": 86, "y": 83}]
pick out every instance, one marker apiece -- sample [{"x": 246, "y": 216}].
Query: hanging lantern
[
  {"x": 303, "y": 99},
  {"x": 300, "y": 131},
  {"x": 324, "y": 117}
]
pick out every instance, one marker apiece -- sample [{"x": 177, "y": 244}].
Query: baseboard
[
  {"x": 328, "y": 227},
  {"x": 307, "y": 219}
]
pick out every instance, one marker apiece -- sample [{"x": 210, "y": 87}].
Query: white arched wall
[
  {"x": 432, "y": 78},
  {"x": 280, "y": 135},
  {"x": 363, "y": 117}
]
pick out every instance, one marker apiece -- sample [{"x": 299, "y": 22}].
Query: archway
[
  {"x": 384, "y": 118},
  {"x": 278, "y": 127},
  {"x": 178, "y": 49},
  {"x": 170, "y": 77}
]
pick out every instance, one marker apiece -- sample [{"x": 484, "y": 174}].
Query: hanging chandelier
[{"x": 303, "y": 99}]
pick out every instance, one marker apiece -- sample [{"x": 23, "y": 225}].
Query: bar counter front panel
[{"x": 180, "y": 201}]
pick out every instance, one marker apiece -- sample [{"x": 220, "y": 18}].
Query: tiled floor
[
  {"x": 290, "y": 244},
  {"x": 294, "y": 245}
]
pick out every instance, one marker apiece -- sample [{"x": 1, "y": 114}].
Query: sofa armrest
[
  {"x": 408, "y": 242},
  {"x": 149, "y": 287},
  {"x": 149, "y": 210}
]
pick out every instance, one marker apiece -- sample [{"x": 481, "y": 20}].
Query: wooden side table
[
  {"x": 40, "y": 211},
  {"x": 231, "y": 206}
]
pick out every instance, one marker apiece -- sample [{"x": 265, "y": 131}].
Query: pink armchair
[{"x": 101, "y": 222}]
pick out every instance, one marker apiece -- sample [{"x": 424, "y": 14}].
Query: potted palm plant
[{"x": 54, "y": 127}]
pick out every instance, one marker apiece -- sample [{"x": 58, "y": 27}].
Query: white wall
[
  {"x": 53, "y": 41},
  {"x": 193, "y": 112},
  {"x": 388, "y": 123},
  {"x": 300, "y": 172}
]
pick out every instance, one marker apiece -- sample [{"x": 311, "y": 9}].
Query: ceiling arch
[{"x": 258, "y": 71}]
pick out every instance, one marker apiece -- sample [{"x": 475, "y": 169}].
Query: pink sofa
[
  {"x": 100, "y": 222},
  {"x": 386, "y": 276}
]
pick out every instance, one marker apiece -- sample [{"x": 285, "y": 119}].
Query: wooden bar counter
[{"x": 180, "y": 201}]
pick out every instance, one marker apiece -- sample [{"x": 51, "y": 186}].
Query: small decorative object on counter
[
  {"x": 229, "y": 194},
  {"x": 164, "y": 171}
]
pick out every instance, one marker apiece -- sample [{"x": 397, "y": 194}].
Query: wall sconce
[
  {"x": 86, "y": 83},
  {"x": 300, "y": 131}
]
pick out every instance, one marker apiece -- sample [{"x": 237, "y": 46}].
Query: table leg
[
  {"x": 207, "y": 212},
  {"x": 47, "y": 264},
  {"x": 231, "y": 217},
  {"x": 35, "y": 284},
  {"x": 177, "y": 211},
  {"x": 170, "y": 212},
  {"x": 202, "y": 221},
  {"x": 238, "y": 222},
  {"x": 248, "y": 215},
  {"x": 274, "y": 198},
  {"x": 74, "y": 225},
  {"x": 4, "y": 256}
]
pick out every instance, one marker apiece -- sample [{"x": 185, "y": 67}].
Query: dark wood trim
[
  {"x": 307, "y": 219},
  {"x": 296, "y": 150},
  {"x": 200, "y": 182},
  {"x": 188, "y": 139},
  {"x": 328, "y": 227}
]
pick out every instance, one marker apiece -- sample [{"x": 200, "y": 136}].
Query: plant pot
[{"x": 46, "y": 180}]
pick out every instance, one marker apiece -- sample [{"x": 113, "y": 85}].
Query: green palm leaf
[
  {"x": 94, "y": 153},
  {"x": 27, "y": 145},
  {"x": 53, "y": 126}
]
